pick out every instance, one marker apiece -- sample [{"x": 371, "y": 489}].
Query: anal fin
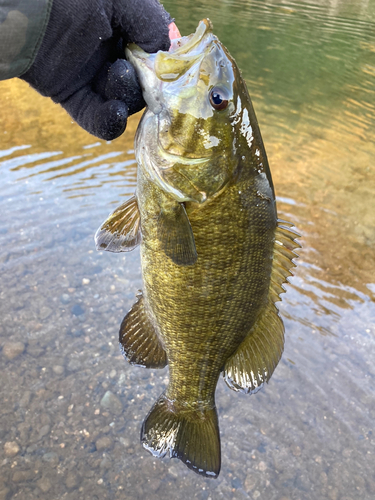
[
  {"x": 176, "y": 236},
  {"x": 121, "y": 232},
  {"x": 139, "y": 340}
]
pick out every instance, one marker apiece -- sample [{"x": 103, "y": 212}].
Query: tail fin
[{"x": 188, "y": 434}]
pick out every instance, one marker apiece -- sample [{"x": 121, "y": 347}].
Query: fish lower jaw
[
  {"x": 182, "y": 158},
  {"x": 164, "y": 125},
  {"x": 158, "y": 169}
]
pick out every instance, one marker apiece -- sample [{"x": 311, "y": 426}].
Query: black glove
[{"x": 81, "y": 65}]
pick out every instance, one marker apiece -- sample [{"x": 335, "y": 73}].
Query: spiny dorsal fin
[
  {"x": 176, "y": 236},
  {"x": 192, "y": 435},
  {"x": 121, "y": 232},
  {"x": 257, "y": 357},
  {"x": 139, "y": 341},
  {"x": 285, "y": 243}
]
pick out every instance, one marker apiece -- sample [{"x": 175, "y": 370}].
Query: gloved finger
[
  {"x": 104, "y": 119},
  {"x": 146, "y": 24},
  {"x": 122, "y": 83}
]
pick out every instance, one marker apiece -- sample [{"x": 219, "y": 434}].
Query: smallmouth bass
[{"x": 214, "y": 256}]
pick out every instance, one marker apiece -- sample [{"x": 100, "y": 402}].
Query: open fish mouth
[
  {"x": 169, "y": 66},
  {"x": 159, "y": 75},
  {"x": 185, "y": 44},
  {"x": 178, "y": 146},
  {"x": 183, "y": 53}
]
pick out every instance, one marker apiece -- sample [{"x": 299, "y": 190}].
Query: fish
[{"x": 214, "y": 255}]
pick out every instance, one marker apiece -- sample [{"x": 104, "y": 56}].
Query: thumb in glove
[{"x": 80, "y": 62}]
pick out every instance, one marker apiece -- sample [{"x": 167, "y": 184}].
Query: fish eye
[{"x": 218, "y": 98}]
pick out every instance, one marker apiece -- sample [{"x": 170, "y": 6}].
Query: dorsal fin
[
  {"x": 283, "y": 255},
  {"x": 121, "y": 232},
  {"x": 256, "y": 358},
  {"x": 258, "y": 355}
]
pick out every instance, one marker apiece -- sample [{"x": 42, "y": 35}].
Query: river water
[{"x": 71, "y": 407}]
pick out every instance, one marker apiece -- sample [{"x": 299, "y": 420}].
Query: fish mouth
[
  {"x": 170, "y": 66},
  {"x": 153, "y": 70},
  {"x": 164, "y": 68},
  {"x": 179, "y": 46},
  {"x": 185, "y": 44}
]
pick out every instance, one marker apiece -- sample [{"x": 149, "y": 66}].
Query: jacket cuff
[{"x": 22, "y": 27}]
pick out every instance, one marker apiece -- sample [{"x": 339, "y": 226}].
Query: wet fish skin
[{"x": 214, "y": 256}]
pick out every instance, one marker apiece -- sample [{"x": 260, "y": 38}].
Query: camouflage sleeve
[{"x": 22, "y": 26}]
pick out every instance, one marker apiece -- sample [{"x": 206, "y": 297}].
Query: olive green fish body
[
  {"x": 203, "y": 312},
  {"x": 214, "y": 256}
]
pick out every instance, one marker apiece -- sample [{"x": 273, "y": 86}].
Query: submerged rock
[
  {"x": 77, "y": 310},
  {"x": 44, "y": 484},
  {"x": 104, "y": 443},
  {"x": 111, "y": 403},
  {"x": 13, "y": 349},
  {"x": 52, "y": 458},
  {"x": 11, "y": 449}
]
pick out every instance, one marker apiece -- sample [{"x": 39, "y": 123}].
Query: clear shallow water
[{"x": 309, "y": 434}]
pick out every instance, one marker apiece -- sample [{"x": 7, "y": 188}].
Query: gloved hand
[{"x": 80, "y": 63}]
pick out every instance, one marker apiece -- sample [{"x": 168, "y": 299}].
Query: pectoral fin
[
  {"x": 176, "y": 236},
  {"x": 139, "y": 340},
  {"x": 121, "y": 232}
]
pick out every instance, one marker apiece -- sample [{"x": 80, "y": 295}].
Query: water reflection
[{"x": 310, "y": 68}]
